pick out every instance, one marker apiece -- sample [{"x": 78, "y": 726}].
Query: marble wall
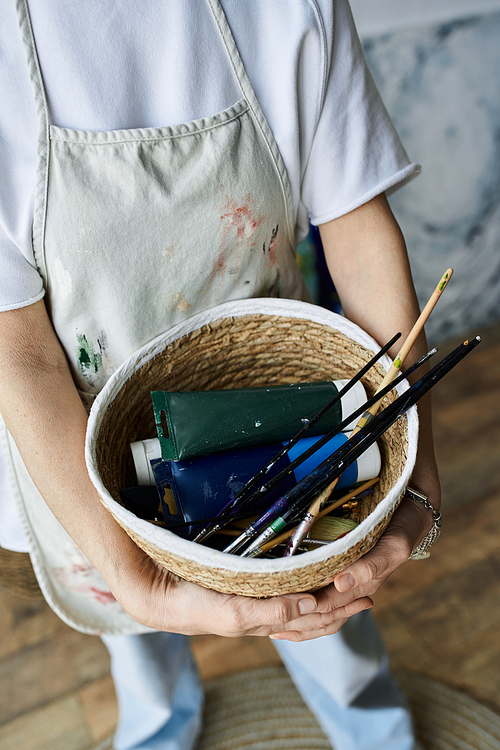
[{"x": 441, "y": 85}]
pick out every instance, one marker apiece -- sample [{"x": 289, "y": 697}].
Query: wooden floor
[{"x": 440, "y": 617}]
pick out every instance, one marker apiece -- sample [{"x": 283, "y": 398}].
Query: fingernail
[
  {"x": 306, "y": 606},
  {"x": 276, "y": 637},
  {"x": 345, "y": 582}
]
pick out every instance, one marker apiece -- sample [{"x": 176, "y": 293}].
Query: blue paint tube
[{"x": 202, "y": 486}]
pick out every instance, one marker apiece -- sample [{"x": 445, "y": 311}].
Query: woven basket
[{"x": 236, "y": 345}]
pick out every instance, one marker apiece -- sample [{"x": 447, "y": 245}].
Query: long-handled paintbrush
[
  {"x": 391, "y": 373},
  {"x": 329, "y": 507},
  {"x": 415, "y": 332},
  {"x": 297, "y": 499}
]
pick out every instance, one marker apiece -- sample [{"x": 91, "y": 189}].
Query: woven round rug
[
  {"x": 447, "y": 719},
  {"x": 271, "y": 715}
]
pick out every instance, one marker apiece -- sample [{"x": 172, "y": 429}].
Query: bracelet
[{"x": 422, "y": 550}]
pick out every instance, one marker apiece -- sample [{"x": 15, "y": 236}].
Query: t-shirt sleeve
[
  {"x": 356, "y": 153},
  {"x": 20, "y": 282}
]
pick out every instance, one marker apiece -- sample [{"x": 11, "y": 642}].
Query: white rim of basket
[{"x": 197, "y": 553}]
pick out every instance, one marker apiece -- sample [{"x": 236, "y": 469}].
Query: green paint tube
[{"x": 198, "y": 423}]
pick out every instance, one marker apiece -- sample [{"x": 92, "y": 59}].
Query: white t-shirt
[{"x": 119, "y": 65}]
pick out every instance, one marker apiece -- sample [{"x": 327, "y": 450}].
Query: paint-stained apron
[{"x": 134, "y": 231}]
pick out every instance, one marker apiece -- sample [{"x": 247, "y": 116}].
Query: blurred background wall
[{"x": 437, "y": 66}]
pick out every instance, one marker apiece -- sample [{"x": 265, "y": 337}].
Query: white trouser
[{"x": 343, "y": 678}]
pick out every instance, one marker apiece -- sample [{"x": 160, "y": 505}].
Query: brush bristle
[{"x": 330, "y": 528}]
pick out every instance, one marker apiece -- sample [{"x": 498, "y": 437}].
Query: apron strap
[
  {"x": 42, "y": 110},
  {"x": 259, "y": 117}
]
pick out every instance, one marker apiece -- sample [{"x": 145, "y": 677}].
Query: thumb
[{"x": 391, "y": 551}]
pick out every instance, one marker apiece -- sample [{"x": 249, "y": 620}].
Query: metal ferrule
[
  {"x": 237, "y": 543},
  {"x": 298, "y": 535},
  {"x": 207, "y": 533},
  {"x": 266, "y": 535}
]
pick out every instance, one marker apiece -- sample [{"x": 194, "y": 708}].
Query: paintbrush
[
  {"x": 410, "y": 340},
  {"x": 294, "y": 502},
  {"x": 251, "y": 531},
  {"x": 391, "y": 373},
  {"x": 312, "y": 484},
  {"x": 358, "y": 492},
  {"x": 297, "y": 499},
  {"x": 324, "y": 531},
  {"x": 241, "y": 497}
]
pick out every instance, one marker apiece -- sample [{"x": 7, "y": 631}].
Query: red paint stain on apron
[
  {"x": 239, "y": 225},
  {"x": 241, "y": 218},
  {"x": 105, "y": 597}
]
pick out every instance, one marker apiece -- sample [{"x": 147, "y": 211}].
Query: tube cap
[
  {"x": 353, "y": 399},
  {"x": 143, "y": 451},
  {"x": 369, "y": 463}
]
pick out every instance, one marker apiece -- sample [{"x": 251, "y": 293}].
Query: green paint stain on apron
[{"x": 89, "y": 361}]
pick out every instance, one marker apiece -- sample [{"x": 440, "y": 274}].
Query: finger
[
  {"x": 329, "y": 598},
  {"x": 320, "y": 622},
  {"x": 407, "y": 526},
  {"x": 297, "y": 636},
  {"x": 376, "y": 566},
  {"x": 332, "y": 601}
]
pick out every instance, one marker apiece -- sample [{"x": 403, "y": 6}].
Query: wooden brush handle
[{"x": 410, "y": 340}]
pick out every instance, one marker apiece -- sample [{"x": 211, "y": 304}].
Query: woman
[{"x": 136, "y": 206}]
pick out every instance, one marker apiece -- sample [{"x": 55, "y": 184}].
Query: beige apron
[{"x": 134, "y": 231}]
